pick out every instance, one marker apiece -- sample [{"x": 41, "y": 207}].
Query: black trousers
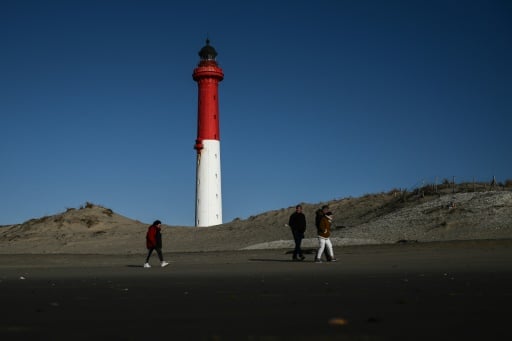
[
  {"x": 158, "y": 251},
  {"x": 297, "y": 237}
]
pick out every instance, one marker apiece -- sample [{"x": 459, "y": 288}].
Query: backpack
[{"x": 318, "y": 217}]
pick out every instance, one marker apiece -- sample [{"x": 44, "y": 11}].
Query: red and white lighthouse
[{"x": 208, "y": 74}]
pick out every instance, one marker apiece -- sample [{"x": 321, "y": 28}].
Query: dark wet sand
[{"x": 455, "y": 290}]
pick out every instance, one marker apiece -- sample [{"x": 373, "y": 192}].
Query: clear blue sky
[{"x": 321, "y": 100}]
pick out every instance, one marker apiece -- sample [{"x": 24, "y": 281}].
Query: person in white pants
[{"x": 324, "y": 232}]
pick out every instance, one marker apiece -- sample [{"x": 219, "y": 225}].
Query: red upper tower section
[{"x": 207, "y": 74}]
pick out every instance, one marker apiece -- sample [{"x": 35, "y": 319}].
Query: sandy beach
[
  {"x": 423, "y": 268},
  {"x": 413, "y": 291}
]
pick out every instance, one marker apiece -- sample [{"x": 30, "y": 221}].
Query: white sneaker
[
  {"x": 146, "y": 265},
  {"x": 163, "y": 264}
]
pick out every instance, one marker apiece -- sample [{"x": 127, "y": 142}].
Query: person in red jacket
[{"x": 154, "y": 242}]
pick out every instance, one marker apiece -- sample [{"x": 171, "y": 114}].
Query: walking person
[
  {"x": 154, "y": 242},
  {"x": 320, "y": 213},
  {"x": 324, "y": 232},
  {"x": 297, "y": 224}
]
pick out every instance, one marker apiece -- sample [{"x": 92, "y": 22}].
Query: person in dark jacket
[
  {"x": 297, "y": 224},
  {"x": 154, "y": 242}
]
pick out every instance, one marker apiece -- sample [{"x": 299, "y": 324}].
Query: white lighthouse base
[{"x": 208, "y": 185}]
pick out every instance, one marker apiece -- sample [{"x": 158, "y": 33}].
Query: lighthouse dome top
[{"x": 208, "y": 52}]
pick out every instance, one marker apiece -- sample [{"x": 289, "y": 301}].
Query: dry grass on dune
[{"x": 424, "y": 215}]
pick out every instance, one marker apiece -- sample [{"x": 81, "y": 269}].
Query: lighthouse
[{"x": 208, "y": 74}]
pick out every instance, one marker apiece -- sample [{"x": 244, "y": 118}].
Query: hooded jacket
[
  {"x": 324, "y": 227},
  {"x": 153, "y": 238}
]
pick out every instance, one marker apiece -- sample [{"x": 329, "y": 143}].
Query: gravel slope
[{"x": 371, "y": 219}]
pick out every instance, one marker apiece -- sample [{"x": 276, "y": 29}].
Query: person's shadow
[
  {"x": 272, "y": 260},
  {"x": 304, "y": 251}
]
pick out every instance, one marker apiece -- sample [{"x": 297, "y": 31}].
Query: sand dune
[{"x": 371, "y": 219}]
